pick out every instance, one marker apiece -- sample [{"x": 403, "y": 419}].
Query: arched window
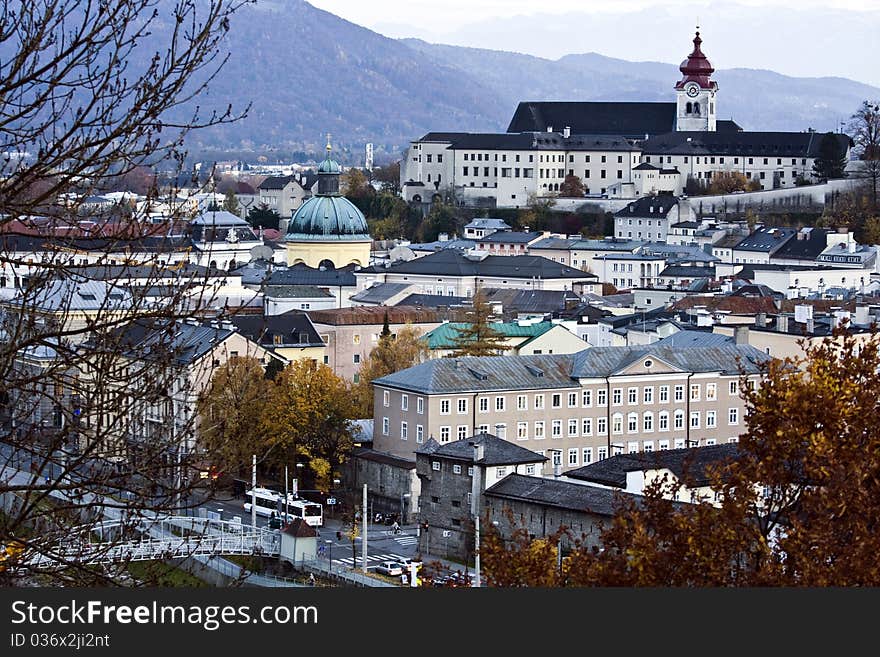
[
  {"x": 688, "y": 108},
  {"x": 632, "y": 423},
  {"x": 213, "y": 264},
  {"x": 617, "y": 423},
  {"x": 326, "y": 265},
  {"x": 648, "y": 422},
  {"x": 697, "y": 109}
]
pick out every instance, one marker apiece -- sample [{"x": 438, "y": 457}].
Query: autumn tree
[
  {"x": 572, "y": 186},
  {"x": 388, "y": 176},
  {"x": 797, "y": 506},
  {"x": 726, "y": 182},
  {"x": 391, "y": 354},
  {"x": 440, "y": 219},
  {"x": 865, "y": 129},
  {"x": 538, "y": 213},
  {"x": 355, "y": 185},
  {"x": 831, "y": 159},
  {"x": 230, "y": 413},
  {"x": 477, "y": 337},
  {"x": 307, "y": 418}
]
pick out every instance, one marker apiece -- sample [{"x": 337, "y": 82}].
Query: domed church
[{"x": 328, "y": 230}]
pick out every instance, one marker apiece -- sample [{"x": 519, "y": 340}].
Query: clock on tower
[{"x": 692, "y": 89}]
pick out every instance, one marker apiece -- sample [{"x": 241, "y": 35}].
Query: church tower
[{"x": 695, "y": 102}]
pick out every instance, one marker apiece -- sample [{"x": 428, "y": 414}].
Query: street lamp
[
  {"x": 330, "y": 546},
  {"x": 295, "y": 484}
]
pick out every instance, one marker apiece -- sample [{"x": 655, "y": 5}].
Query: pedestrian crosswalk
[
  {"x": 371, "y": 559},
  {"x": 406, "y": 540}
]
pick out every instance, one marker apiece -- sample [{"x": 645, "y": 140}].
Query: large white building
[{"x": 621, "y": 149}]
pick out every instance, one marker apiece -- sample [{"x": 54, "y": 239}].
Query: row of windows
[
  {"x": 484, "y": 157},
  {"x": 711, "y": 160}
]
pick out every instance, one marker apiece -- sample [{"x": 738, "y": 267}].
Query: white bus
[{"x": 269, "y": 501}]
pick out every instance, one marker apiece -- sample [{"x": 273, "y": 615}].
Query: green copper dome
[{"x": 327, "y": 217}]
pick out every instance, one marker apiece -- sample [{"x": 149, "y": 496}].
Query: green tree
[
  {"x": 538, "y": 213},
  {"x": 441, "y": 219},
  {"x": 388, "y": 176},
  {"x": 477, "y": 337},
  {"x": 230, "y": 202},
  {"x": 355, "y": 185},
  {"x": 262, "y": 216},
  {"x": 230, "y": 410},
  {"x": 572, "y": 187},
  {"x": 391, "y": 354},
  {"x": 307, "y": 417},
  {"x": 831, "y": 159}
]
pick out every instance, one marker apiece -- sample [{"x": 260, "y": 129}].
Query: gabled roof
[
  {"x": 75, "y": 293},
  {"x": 558, "y": 493},
  {"x": 455, "y": 263},
  {"x": 496, "y": 451},
  {"x": 294, "y": 328},
  {"x": 534, "y": 301},
  {"x": 434, "y": 301},
  {"x": 765, "y": 239},
  {"x": 360, "y": 315},
  {"x": 488, "y": 223},
  {"x": 304, "y": 275},
  {"x": 687, "y": 463},
  {"x": 277, "y": 182},
  {"x": 509, "y": 236},
  {"x": 296, "y": 292},
  {"x": 379, "y": 294},
  {"x": 160, "y": 339},
  {"x": 695, "y": 339},
  {"x": 807, "y": 244},
  {"x": 607, "y": 361},
  {"x": 738, "y": 305},
  {"x": 748, "y": 144},
  {"x": 634, "y": 120},
  {"x": 687, "y": 271}
]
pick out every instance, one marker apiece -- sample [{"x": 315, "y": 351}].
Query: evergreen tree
[
  {"x": 263, "y": 216},
  {"x": 477, "y": 337},
  {"x": 831, "y": 161},
  {"x": 230, "y": 203}
]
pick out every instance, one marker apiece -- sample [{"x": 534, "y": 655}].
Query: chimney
[
  {"x": 479, "y": 451},
  {"x": 810, "y": 326},
  {"x": 782, "y": 323},
  {"x": 566, "y": 132},
  {"x": 549, "y": 128},
  {"x": 741, "y": 335},
  {"x": 761, "y": 320}
]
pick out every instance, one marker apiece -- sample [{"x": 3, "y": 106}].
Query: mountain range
[{"x": 307, "y": 72}]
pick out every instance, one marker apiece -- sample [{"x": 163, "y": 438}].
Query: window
[
  {"x": 386, "y": 426},
  {"x": 679, "y": 393},
  {"x": 420, "y": 405},
  {"x": 587, "y": 455},
  {"x": 648, "y": 446},
  {"x": 462, "y": 405},
  {"x": 678, "y": 420},
  {"x": 499, "y": 404},
  {"x": 386, "y": 398},
  {"x": 539, "y": 430},
  {"x": 484, "y": 405},
  {"x": 648, "y": 395},
  {"x": 632, "y": 447},
  {"x": 695, "y": 392},
  {"x": 711, "y": 391},
  {"x": 573, "y": 427},
  {"x": 679, "y": 443},
  {"x": 617, "y": 396},
  {"x": 444, "y": 407},
  {"x": 648, "y": 422},
  {"x": 500, "y": 472},
  {"x": 572, "y": 457},
  {"x": 572, "y": 400},
  {"x": 522, "y": 430},
  {"x": 601, "y": 426},
  {"x": 664, "y": 394},
  {"x": 521, "y": 403},
  {"x": 710, "y": 420},
  {"x": 663, "y": 421},
  {"x": 601, "y": 397},
  {"x": 356, "y": 338},
  {"x": 695, "y": 419},
  {"x": 633, "y": 396},
  {"x": 435, "y": 465},
  {"x": 663, "y": 445},
  {"x": 539, "y": 402},
  {"x": 556, "y": 428},
  {"x": 602, "y": 453},
  {"x": 462, "y": 431},
  {"x": 420, "y": 433},
  {"x": 404, "y": 402},
  {"x": 357, "y": 358},
  {"x": 483, "y": 428},
  {"x": 617, "y": 423},
  {"x": 456, "y": 469},
  {"x": 587, "y": 398},
  {"x": 632, "y": 423},
  {"x": 733, "y": 387},
  {"x": 444, "y": 434},
  {"x": 556, "y": 400},
  {"x": 403, "y": 431},
  {"x": 733, "y": 416}
]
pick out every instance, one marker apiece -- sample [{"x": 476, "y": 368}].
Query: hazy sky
[{"x": 794, "y": 37}]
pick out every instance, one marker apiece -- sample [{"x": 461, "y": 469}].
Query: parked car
[{"x": 390, "y": 568}]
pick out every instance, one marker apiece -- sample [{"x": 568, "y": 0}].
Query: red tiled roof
[{"x": 736, "y": 305}]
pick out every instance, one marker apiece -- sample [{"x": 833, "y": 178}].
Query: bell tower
[{"x": 696, "y": 103}]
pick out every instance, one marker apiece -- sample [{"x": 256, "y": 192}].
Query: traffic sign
[{"x": 331, "y": 500}]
